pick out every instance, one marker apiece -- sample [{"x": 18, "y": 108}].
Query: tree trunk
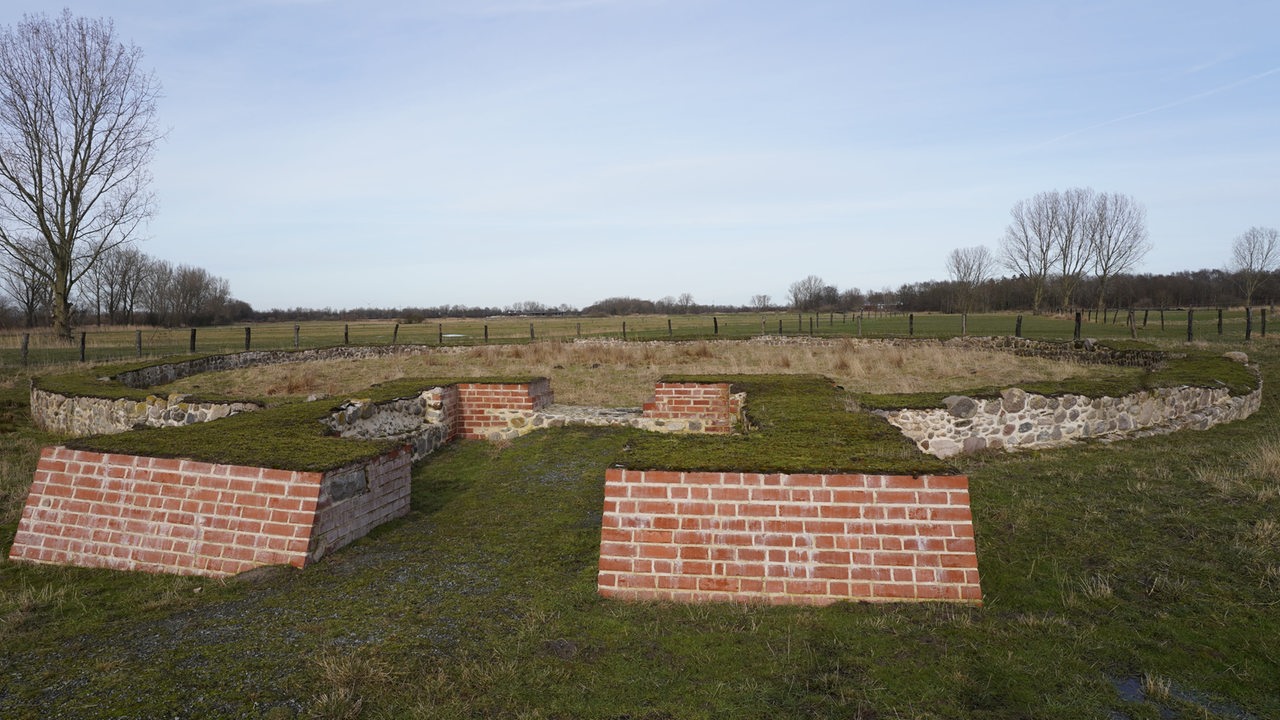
[{"x": 62, "y": 302}]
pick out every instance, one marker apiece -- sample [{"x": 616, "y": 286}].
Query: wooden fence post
[
  {"x": 911, "y": 324},
  {"x": 1248, "y": 324},
  {"x": 246, "y": 339},
  {"x": 624, "y": 330},
  {"x": 192, "y": 347},
  {"x": 1017, "y": 327},
  {"x": 346, "y": 334},
  {"x": 715, "y": 325},
  {"x": 297, "y": 335},
  {"x": 440, "y": 333},
  {"x": 137, "y": 341},
  {"x": 531, "y": 331},
  {"x": 26, "y": 346},
  {"x": 669, "y": 328},
  {"x": 1190, "y": 326},
  {"x": 395, "y": 334},
  {"x": 486, "y": 334},
  {"x": 1077, "y": 331},
  {"x": 964, "y": 324}
]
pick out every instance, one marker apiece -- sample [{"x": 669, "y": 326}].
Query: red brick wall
[
  {"x": 708, "y": 403},
  {"x": 192, "y": 518},
  {"x": 786, "y": 539},
  {"x": 164, "y": 515},
  {"x": 485, "y": 407},
  {"x": 341, "y": 521}
]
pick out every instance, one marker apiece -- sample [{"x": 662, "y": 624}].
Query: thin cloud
[{"x": 1166, "y": 106}]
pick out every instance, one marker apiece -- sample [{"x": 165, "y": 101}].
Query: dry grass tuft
[
  {"x": 610, "y": 373},
  {"x": 348, "y": 677},
  {"x": 1096, "y": 587},
  {"x": 1155, "y": 687}
]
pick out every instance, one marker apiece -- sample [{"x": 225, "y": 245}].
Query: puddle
[{"x": 1130, "y": 690}]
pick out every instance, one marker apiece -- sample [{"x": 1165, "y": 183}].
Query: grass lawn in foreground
[{"x": 1139, "y": 578}]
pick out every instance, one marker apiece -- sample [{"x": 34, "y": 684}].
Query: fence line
[{"x": 41, "y": 348}]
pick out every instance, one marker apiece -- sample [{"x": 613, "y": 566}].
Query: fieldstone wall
[
  {"x": 506, "y": 411},
  {"x": 164, "y": 373},
  {"x": 1019, "y": 420},
  {"x": 424, "y": 422},
  {"x": 80, "y": 416}
]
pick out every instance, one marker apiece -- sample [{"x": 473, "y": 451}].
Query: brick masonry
[
  {"x": 186, "y": 517},
  {"x": 786, "y": 539},
  {"x": 484, "y": 408},
  {"x": 709, "y": 407}
]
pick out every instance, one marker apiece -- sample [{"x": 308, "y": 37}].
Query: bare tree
[
  {"x": 157, "y": 293},
  {"x": 806, "y": 294},
  {"x": 970, "y": 267},
  {"x": 1072, "y": 249},
  {"x": 76, "y": 135},
  {"x": 1029, "y": 245},
  {"x": 686, "y": 303},
  {"x": 1117, "y": 232},
  {"x": 761, "y": 302},
  {"x": 852, "y": 299},
  {"x": 1254, "y": 256},
  {"x": 30, "y": 290}
]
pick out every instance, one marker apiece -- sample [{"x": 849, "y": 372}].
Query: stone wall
[
  {"x": 80, "y": 416},
  {"x": 424, "y": 422},
  {"x": 505, "y": 411},
  {"x": 786, "y": 539},
  {"x": 165, "y": 373},
  {"x": 179, "y": 516},
  {"x": 1019, "y": 420}
]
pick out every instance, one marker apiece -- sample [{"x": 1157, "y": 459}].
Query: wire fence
[{"x": 43, "y": 348}]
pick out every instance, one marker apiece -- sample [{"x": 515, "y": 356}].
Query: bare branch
[{"x": 77, "y": 133}]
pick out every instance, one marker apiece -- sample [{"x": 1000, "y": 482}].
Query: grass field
[
  {"x": 115, "y": 343},
  {"x": 1131, "y": 580}
]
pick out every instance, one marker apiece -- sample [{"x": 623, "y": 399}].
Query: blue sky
[{"x": 484, "y": 152}]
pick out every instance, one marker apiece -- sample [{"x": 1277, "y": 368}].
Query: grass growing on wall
[
  {"x": 1194, "y": 369},
  {"x": 796, "y": 423},
  {"x": 1137, "y": 579},
  {"x": 287, "y": 437}
]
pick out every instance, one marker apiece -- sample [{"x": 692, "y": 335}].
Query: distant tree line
[{"x": 123, "y": 286}]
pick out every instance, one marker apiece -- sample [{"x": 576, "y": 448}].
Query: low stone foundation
[
  {"x": 182, "y": 516},
  {"x": 185, "y": 517},
  {"x": 488, "y": 411},
  {"x": 786, "y": 539},
  {"x": 1019, "y": 420},
  {"x": 80, "y": 416}
]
